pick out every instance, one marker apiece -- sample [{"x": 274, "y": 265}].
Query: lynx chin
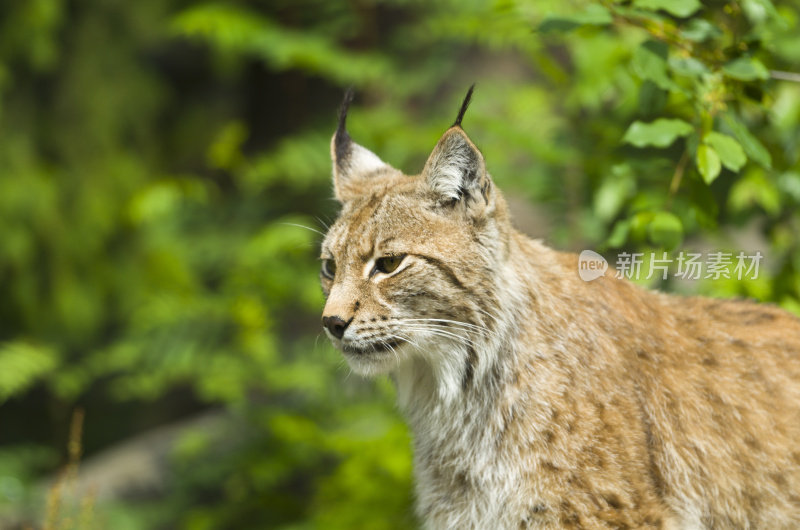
[{"x": 539, "y": 400}]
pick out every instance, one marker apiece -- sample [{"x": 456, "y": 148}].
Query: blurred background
[{"x": 165, "y": 176}]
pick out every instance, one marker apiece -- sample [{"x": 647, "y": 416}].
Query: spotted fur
[{"x": 538, "y": 400}]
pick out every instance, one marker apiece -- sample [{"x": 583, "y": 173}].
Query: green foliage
[
  {"x": 708, "y": 163},
  {"x": 165, "y": 174},
  {"x": 665, "y": 230},
  {"x": 22, "y": 365},
  {"x": 702, "y": 79},
  {"x": 235, "y": 30},
  {"x": 660, "y": 133},
  {"x": 679, "y": 8},
  {"x": 730, "y": 152}
]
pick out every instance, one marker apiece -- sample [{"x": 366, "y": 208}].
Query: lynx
[{"x": 538, "y": 400}]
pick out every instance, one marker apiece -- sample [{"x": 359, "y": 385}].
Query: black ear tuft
[
  {"x": 464, "y": 106},
  {"x": 354, "y": 166},
  {"x": 341, "y": 139}
]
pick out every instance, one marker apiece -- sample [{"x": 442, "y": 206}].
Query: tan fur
[{"x": 538, "y": 400}]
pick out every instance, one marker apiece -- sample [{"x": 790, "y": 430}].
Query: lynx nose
[{"x": 335, "y": 325}]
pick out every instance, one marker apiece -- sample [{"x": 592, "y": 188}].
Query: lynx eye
[
  {"x": 388, "y": 264},
  {"x": 328, "y": 268}
]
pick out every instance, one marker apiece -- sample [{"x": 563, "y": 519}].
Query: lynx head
[{"x": 408, "y": 268}]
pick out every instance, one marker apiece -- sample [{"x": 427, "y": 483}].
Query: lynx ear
[
  {"x": 456, "y": 171},
  {"x": 353, "y": 165}
]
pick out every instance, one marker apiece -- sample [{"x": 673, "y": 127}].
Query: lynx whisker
[
  {"x": 494, "y": 318},
  {"x": 323, "y": 223},
  {"x": 445, "y": 323},
  {"x": 387, "y": 344},
  {"x": 405, "y": 338},
  {"x": 438, "y": 331},
  {"x": 451, "y": 328},
  {"x": 306, "y": 227}
]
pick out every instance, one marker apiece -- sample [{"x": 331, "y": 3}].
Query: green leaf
[
  {"x": 225, "y": 151},
  {"x": 660, "y": 133},
  {"x": 665, "y": 230},
  {"x": 21, "y": 365},
  {"x": 789, "y": 185},
  {"x": 687, "y": 66},
  {"x": 729, "y": 150},
  {"x": 612, "y": 194},
  {"x": 638, "y": 223},
  {"x": 755, "y": 189},
  {"x": 619, "y": 234},
  {"x": 593, "y": 15},
  {"x": 679, "y": 8},
  {"x": 708, "y": 163},
  {"x": 699, "y": 30},
  {"x": 746, "y": 69},
  {"x": 754, "y": 148},
  {"x": 651, "y": 99},
  {"x": 758, "y": 11},
  {"x": 650, "y": 62}
]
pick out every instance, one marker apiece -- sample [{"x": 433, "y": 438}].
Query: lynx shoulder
[{"x": 538, "y": 400}]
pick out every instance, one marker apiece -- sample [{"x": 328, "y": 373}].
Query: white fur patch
[
  {"x": 449, "y": 172},
  {"x": 453, "y": 166},
  {"x": 363, "y": 161}
]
